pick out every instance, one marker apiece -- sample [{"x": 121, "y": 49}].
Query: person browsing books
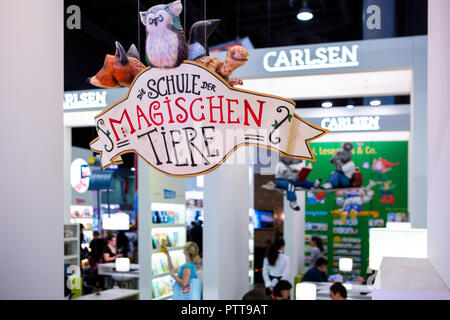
[{"x": 187, "y": 271}]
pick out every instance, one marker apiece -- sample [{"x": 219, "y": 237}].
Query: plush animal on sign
[
  {"x": 344, "y": 168},
  {"x": 119, "y": 69},
  {"x": 236, "y": 57},
  {"x": 352, "y": 202},
  {"x": 166, "y": 45},
  {"x": 286, "y": 178}
]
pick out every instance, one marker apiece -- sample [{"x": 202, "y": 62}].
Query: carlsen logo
[
  {"x": 87, "y": 99},
  {"x": 368, "y": 123},
  {"x": 306, "y": 59}
]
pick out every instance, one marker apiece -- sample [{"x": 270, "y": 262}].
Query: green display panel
[{"x": 344, "y": 226}]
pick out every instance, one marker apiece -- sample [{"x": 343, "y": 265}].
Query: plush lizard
[{"x": 236, "y": 57}]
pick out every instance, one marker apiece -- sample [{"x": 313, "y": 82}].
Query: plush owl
[{"x": 166, "y": 45}]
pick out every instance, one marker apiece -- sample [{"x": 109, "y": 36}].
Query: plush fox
[{"x": 118, "y": 70}]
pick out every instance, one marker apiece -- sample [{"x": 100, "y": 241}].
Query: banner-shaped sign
[{"x": 186, "y": 121}]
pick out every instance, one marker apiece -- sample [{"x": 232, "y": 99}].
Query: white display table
[
  {"x": 108, "y": 269},
  {"x": 354, "y": 291},
  {"x": 111, "y": 294}
]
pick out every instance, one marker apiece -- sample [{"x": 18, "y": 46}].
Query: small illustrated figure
[
  {"x": 119, "y": 69},
  {"x": 344, "y": 168},
  {"x": 351, "y": 202},
  {"x": 382, "y": 167},
  {"x": 287, "y": 179}
]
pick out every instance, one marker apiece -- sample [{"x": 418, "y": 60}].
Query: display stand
[
  {"x": 72, "y": 244},
  {"x": 162, "y": 223}
]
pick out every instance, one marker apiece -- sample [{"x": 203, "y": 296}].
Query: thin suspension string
[
  {"x": 238, "y": 17},
  {"x": 206, "y": 36},
  {"x": 184, "y": 20},
  {"x": 139, "y": 26}
]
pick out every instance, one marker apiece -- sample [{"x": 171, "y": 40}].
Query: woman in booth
[
  {"x": 110, "y": 254},
  {"x": 317, "y": 250},
  {"x": 275, "y": 266},
  {"x": 184, "y": 274}
]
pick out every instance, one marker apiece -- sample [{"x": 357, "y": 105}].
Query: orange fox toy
[{"x": 118, "y": 70}]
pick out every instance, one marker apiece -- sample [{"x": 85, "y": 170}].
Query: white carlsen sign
[
  {"x": 88, "y": 99},
  {"x": 367, "y": 123},
  {"x": 306, "y": 59}
]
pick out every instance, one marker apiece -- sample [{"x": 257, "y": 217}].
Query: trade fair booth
[
  {"x": 400, "y": 151},
  {"x": 371, "y": 68}
]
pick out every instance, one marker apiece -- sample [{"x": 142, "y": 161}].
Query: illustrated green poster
[{"x": 339, "y": 219}]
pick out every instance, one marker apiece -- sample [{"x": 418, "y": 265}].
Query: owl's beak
[{"x": 155, "y": 22}]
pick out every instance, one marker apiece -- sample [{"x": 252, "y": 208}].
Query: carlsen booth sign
[{"x": 310, "y": 59}]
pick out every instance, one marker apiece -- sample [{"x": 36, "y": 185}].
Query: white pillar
[
  {"x": 438, "y": 199},
  {"x": 225, "y": 233},
  {"x": 67, "y": 163},
  {"x": 294, "y": 236},
  {"x": 417, "y": 166},
  {"x": 31, "y": 58},
  {"x": 144, "y": 231}
]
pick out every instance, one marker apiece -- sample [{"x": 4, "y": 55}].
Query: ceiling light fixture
[
  {"x": 350, "y": 106},
  {"x": 375, "y": 103},
  {"x": 305, "y": 14},
  {"x": 327, "y": 104}
]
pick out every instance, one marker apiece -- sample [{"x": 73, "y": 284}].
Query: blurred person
[
  {"x": 255, "y": 295},
  {"x": 123, "y": 243},
  {"x": 187, "y": 271},
  {"x": 110, "y": 252},
  {"x": 282, "y": 291},
  {"x": 317, "y": 250},
  {"x": 97, "y": 247},
  {"x": 318, "y": 273},
  {"x": 197, "y": 235},
  {"x": 275, "y": 265},
  {"x": 131, "y": 235},
  {"x": 338, "y": 292}
]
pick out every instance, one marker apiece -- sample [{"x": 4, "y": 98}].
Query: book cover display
[{"x": 342, "y": 219}]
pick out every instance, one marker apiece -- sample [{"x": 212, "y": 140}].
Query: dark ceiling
[{"x": 268, "y": 23}]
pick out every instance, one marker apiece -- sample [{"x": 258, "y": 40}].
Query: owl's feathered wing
[{"x": 182, "y": 48}]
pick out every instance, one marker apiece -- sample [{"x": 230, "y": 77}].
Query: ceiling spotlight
[
  {"x": 305, "y": 15},
  {"x": 350, "y": 106},
  {"x": 327, "y": 104},
  {"x": 133, "y": 169},
  {"x": 375, "y": 103}
]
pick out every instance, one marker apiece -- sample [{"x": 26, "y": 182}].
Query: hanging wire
[
  {"x": 238, "y": 18},
  {"x": 139, "y": 26},
  {"x": 269, "y": 5},
  {"x": 206, "y": 37},
  {"x": 184, "y": 20}
]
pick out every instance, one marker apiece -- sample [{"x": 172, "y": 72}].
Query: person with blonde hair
[{"x": 187, "y": 271}]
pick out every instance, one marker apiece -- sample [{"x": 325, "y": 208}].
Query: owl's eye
[
  {"x": 160, "y": 18},
  {"x": 150, "y": 20}
]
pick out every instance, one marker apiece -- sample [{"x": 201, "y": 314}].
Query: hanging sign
[{"x": 186, "y": 121}]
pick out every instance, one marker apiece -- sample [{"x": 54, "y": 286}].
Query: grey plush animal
[
  {"x": 344, "y": 168},
  {"x": 342, "y": 156}
]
